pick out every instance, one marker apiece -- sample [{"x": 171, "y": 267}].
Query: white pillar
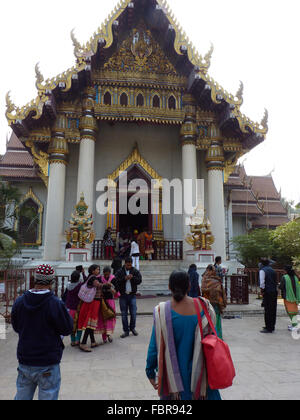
[
  {"x": 216, "y": 211},
  {"x": 54, "y": 234},
  {"x": 85, "y": 183},
  {"x": 189, "y": 172}
]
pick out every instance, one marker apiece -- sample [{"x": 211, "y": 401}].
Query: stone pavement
[{"x": 267, "y": 365}]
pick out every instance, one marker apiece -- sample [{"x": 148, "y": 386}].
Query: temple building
[{"x": 138, "y": 99}]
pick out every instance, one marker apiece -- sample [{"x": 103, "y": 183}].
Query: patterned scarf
[{"x": 169, "y": 377}]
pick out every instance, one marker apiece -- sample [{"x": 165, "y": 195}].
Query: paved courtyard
[{"x": 267, "y": 365}]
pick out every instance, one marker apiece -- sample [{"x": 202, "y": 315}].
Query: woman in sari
[
  {"x": 290, "y": 292},
  {"x": 107, "y": 326},
  {"x": 175, "y": 348},
  {"x": 212, "y": 289}
]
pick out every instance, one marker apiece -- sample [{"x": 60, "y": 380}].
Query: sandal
[
  {"x": 85, "y": 348},
  {"x": 110, "y": 339},
  {"x": 75, "y": 344},
  {"x": 93, "y": 345}
]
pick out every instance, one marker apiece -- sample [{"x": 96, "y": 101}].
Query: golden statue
[
  {"x": 81, "y": 232},
  {"x": 201, "y": 237}
]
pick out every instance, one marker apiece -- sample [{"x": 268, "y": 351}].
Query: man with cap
[{"x": 40, "y": 319}]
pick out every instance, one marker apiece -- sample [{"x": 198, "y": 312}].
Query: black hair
[
  {"x": 289, "y": 270},
  {"x": 75, "y": 276},
  {"x": 193, "y": 266},
  {"x": 128, "y": 260},
  {"x": 210, "y": 267},
  {"x": 218, "y": 259},
  {"x": 106, "y": 269},
  {"x": 93, "y": 267},
  {"x": 79, "y": 268},
  {"x": 265, "y": 262},
  {"x": 179, "y": 284}
]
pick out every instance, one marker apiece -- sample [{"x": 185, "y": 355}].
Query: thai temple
[{"x": 139, "y": 99}]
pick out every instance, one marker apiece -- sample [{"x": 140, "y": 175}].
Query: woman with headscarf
[
  {"x": 212, "y": 289},
  {"x": 290, "y": 293}
]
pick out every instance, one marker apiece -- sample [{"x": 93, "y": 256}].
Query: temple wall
[
  {"x": 238, "y": 225},
  {"x": 158, "y": 145}
]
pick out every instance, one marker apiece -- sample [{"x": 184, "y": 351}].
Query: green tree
[
  {"x": 252, "y": 247},
  {"x": 286, "y": 239}
]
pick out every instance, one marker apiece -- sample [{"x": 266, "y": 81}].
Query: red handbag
[{"x": 219, "y": 365}]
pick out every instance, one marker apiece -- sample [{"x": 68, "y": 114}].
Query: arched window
[
  {"x": 29, "y": 221},
  {"x": 140, "y": 100},
  {"x": 107, "y": 99},
  {"x": 172, "y": 102},
  {"x": 156, "y": 102},
  {"x": 124, "y": 99}
]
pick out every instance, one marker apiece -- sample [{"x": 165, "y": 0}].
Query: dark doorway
[{"x": 134, "y": 221}]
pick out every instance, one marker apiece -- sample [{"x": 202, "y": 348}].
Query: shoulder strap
[{"x": 204, "y": 307}]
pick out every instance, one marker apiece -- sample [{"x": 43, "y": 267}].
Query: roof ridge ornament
[
  {"x": 10, "y": 106},
  {"x": 264, "y": 121},
  {"x": 78, "y": 48},
  {"x": 39, "y": 78},
  {"x": 240, "y": 92}
]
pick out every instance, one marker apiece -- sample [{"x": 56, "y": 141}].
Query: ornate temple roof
[
  {"x": 210, "y": 96},
  {"x": 256, "y": 198},
  {"x": 17, "y": 163}
]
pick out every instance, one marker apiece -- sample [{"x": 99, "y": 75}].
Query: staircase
[{"x": 155, "y": 275}]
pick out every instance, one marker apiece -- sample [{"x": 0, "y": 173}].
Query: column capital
[
  {"x": 58, "y": 148},
  {"x": 88, "y": 124},
  {"x": 215, "y": 156}
]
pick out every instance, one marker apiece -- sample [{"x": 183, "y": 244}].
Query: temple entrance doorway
[{"x": 139, "y": 221}]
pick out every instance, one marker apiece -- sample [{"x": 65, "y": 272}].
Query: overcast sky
[{"x": 256, "y": 41}]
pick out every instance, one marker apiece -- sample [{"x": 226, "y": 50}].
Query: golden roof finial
[
  {"x": 208, "y": 55},
  {"x": 264, "y": 121},
  {"x": 240, "y": 92},
  {"x": 10, "y": 106},
  {"x": 39, "y": 77},
  {"x": 77, "y": 46}
]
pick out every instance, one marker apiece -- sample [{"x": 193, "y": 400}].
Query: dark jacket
[
  {"x": 40, "y": 320},
  {"x": 72, "y": 299},
  {"x": 194, "y": 283},
  {"x": 120, "y": 281},
  {"x": 116, "y": 264},
  {"x": 270, "y": 279}
]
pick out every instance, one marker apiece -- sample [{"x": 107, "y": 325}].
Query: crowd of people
[
  {"x": 176, "y": 364},
  {"x": 129, "y": 243}
]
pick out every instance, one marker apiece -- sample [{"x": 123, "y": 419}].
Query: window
[
  {"x": 107, "y": 99},
  {"x": 140, "y": 100},
  {"x": 156, "y": 102},
  {"x": 124, "y": 99},
  {"x": 29, "y": 222},
  {"x": 172, "y": 102}
]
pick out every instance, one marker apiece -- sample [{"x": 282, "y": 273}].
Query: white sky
[{"x": 256, "y": 41}]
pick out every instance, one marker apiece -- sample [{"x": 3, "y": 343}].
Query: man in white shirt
[{"x": 135, "y": 254}]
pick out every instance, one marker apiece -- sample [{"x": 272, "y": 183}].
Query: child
[
  {"x": 106, "y": 327},
  {"x": 72, "y": 302}
]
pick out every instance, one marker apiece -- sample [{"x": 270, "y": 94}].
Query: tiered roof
[
  {"x": 17, "y": 164},
  {"x": 211, "y": 97},
  {"x": 256, "y": 198}
]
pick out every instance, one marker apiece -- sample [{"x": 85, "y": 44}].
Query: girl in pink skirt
[{"x": 106, "y": 327}]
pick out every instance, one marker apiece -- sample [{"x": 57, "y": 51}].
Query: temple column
[
  {"x": 54, "y": 228},
  {"x": 215, "y": 167},
  {"x": 188, "y": 135},
  {"x": 88, "y": 130}
]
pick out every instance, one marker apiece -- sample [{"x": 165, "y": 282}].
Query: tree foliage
[
  {"x": 286, "y": 239},
  {"x": 252, "y": 247}
]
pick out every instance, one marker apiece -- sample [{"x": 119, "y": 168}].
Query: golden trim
[{"x": 41, "y": 159}]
